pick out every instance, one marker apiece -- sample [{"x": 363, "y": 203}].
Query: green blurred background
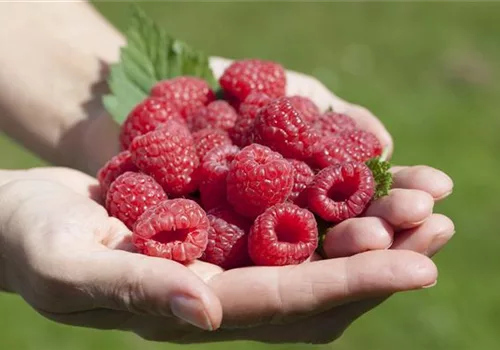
[{"x": 430, "y": 71}]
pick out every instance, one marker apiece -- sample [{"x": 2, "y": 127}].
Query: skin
[{"x": 80, "y": 268}]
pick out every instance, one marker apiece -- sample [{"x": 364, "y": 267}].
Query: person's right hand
[{"x": 63, "y": 254}]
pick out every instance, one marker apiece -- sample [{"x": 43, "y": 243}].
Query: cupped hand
[{"x": 73, "y": 264}]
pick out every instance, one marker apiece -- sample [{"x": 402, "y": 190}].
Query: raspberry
[
  {"x": 349, "y": 145},
  {"x": 187, "y": 93},
  {"x": 175, "y": 229},
  {"x": 241, "y": 132},
  {"x": 341, "y": 191},
  {"x": 213, "y": 173},
  {"x": 146, "y": 117},
  {"x": 170, "y": 158},
  {"x": 306, "y": 107},
  {"x": 331, "y": 123},
  {"x": 177, "y": 127},
  {"x": 302, "y": 176},
  {"x": 280, "y": 127},
  {"x": 363, "y": 144},
  {"x": 252, "y": 75},
  {"x": 131, "y": 194},
  {"x": 217, "y": 115},
  {"x": 253, "y": 103},
  {"x": 258, "y": 178},
  {"x": 331, "y": 150},
  {"x": 227, "y": 239},
  {"x": 207, "y": 139},
  {"x": 284, "y": 234},
  {"x": 116, "y": 166}
]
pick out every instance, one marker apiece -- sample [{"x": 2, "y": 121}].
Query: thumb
[{"x": 146, "y": 285}]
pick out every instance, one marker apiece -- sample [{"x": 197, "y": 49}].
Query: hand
[{"x": 72, "y": 267}]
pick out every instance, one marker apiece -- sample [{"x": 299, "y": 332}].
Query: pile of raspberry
[{"x": 237, "y": 181}]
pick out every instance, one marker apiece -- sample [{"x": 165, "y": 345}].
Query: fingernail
[
  {"x": 389, "y": 245},
  {"x": 438, "y": 242},
  {"x": 409, "y": 225},
  {"x": 443, "y": 196},
  {"x": 190, "y": 310},
  {"x": 430, "y": 285}
]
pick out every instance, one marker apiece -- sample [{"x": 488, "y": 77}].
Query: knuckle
[
  {"x": 281, "y": 308},
  {"x": 129, "y": 293}
]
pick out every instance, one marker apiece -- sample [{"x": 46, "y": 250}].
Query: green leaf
[
  {"x": 383, "y": 178},
  {"x": 150, "y": 55}
]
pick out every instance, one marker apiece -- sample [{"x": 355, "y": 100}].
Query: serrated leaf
[
  {"x": 150, "y": 55},
  {"x": 382, "y": 176}
]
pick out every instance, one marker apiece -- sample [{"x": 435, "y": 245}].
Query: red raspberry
[
  {"x": 188, "y": 93},
  {"x": 213, "y": 173},
  {"x": 363, "y": 144},
  {"x": 349, "y": 145},
  {"x": 280, "y": 127},
  {"x": 331, "y": 123},
  {"x": 302, "y": 176},
  {"x": 258, "y": 178},
  {"x": 306, "y": 107},
  {"x": 116, "y": 166},
  {"x": 207, "y": 139},
  {"x": 131, "y": 194},
  {"x": 251, "y": 106},
  {"x": 170, "y": 158},
  {"x": 252, "y": 75},
  {"x": 175, "y": 229},
  {"x": 176, "y": 127},
  {"x": 146, "y": 117},
  {"x": 331, "y": 150},
  {"x": 284, "y": 234},
  {"x": 217, "y": 115},
  {"x": 241, "y": 133},
  {"x": 227, "y": 239},
  {"x": 341, "y": 191}
]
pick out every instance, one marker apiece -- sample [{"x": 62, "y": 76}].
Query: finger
[
  {"x": 279, "y": 294},
  {"x": 320, "y": 329},
  {"x": 402, "y": 208},
  {"x": 423, "y": 178},
  {"x": 357, "y": 235},
  {"x": 146, "y": 285},
  {"x": 427, "y": 238}
]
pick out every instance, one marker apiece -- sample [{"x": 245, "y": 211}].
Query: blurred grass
[{"x": 430, "y": 71}]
